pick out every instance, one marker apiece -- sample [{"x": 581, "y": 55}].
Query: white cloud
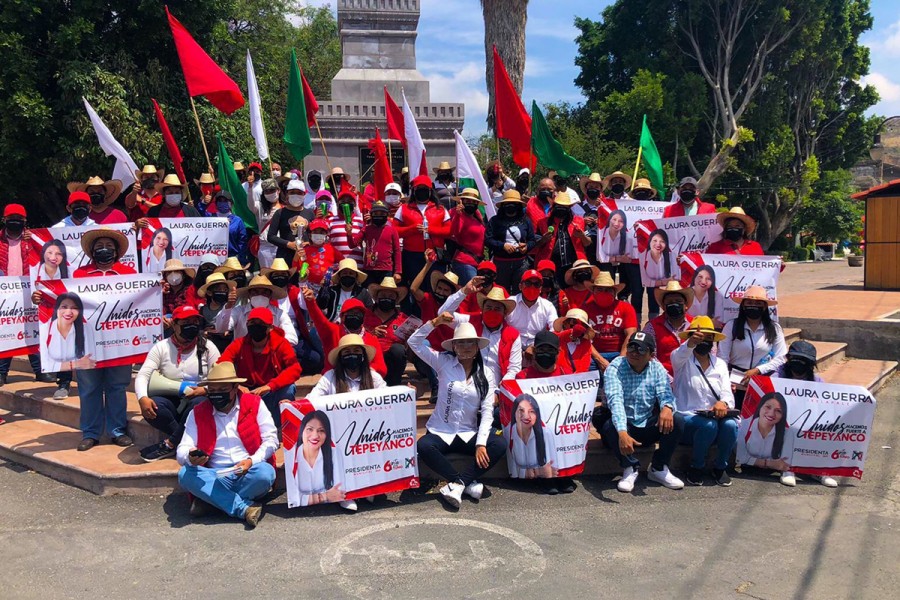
[
  {"x": 887, "y": 89},
  {"x": 885, "y": 42},
  {"x": 465, "y": 84}
]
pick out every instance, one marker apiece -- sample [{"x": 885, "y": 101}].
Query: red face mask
[
  {"x": 579, "y": 331},
  {"x": 492, "y": 318},
  {"x": 604, "y": 299},
  {"x": 531, "y": 293},
  {"x": 207, "y": 189}
]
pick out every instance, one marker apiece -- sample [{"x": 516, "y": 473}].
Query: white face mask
[
  {"x": 174, "y": 278},
  {"x": 276, "y": 173},
  {"x": 317, "y": 238},
  {"x": 295, "y": 200},
  {"x": 271, "y": 197},
  {"x": 392, "y": 200},
  {"x": 259, "y": 301},
  {"x": 173, "y": 199}
]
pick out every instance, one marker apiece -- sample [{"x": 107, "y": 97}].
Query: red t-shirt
[
  {"x": 320, "y": 259},
  {"x": 470, "y": 305},
  {"x": 429, "y": 307},
  {"x": 610, "y": 324},
  {"x": 372, "y": 321},
  {"x": 576, "y": 298},
  {"x": 750, "y": 248},
  {"x": 109, "y": 216},
  {"x": 532, "y": 372},
  {"x": 91, "y": 270}
]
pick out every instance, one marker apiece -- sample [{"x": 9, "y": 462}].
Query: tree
[
  {"x": 504, "y": 27},
  {"x": 829, "y": 213}
]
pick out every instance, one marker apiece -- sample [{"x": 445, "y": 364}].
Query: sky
[{"x": 450, "y": 53}]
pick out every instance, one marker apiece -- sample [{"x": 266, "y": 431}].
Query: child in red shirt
[{"x": 319, "y": 254}]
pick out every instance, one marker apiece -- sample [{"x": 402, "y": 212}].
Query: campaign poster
[
  {"x": 807, "y": 427},
  {"x": 727, "y": 277},
  {"x": 96, "y": 322},
  {"x": 187, "y": 239},
  {"x": 349, "y": 446},
  {"x": 615, "y": 226},
  {"x": 546, "y": 423},
  {"x": 60, "y": 250},
  {"x": 18, "y": 318}
]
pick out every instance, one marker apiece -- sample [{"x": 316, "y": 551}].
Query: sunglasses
[
  {"x": 636, "y": 349},
  {"x": 535, "y": 284}
]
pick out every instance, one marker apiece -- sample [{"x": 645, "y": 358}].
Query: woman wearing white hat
[
  {"x": 352, "y": 372},
  {"x": 462, "y": 418}
]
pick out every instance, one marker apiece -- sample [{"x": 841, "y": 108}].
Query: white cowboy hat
[{"x": 465, "y": 331}]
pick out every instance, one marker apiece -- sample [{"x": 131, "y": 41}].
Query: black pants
[
  {"x": 646, "y": 436},
  {"x": 63, "y": 378},
  {"x": 412, "y": 263},
  {"x": 509, "y": 273},
  {"x": 433, "y": 452},
  {"x": 167, "y": 418},
  {"x": 376, "y": 277},
  {"x": 395, "y": 360}
]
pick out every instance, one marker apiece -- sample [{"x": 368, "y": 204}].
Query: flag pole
[
  {"x": 202, "y": 139},
  {"x": 322, "y": 141},
  {"x": 390, "y": 156},
  {"x": 636, "y": 165}
]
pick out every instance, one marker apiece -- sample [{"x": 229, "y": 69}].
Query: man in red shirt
[
  {"x": 102, "y": 195},
  {"x": 144, "y": 194},
  {"x": 689, "y": 203},
  {"x": 579, "y": 278},
  {"x": 664, "y": 329},
  {"x": 105, "y": 246},
  {"x": 614, "y": 320},
  {"x": 266, "y": 359},
  {"x": 737, "y": 227}
]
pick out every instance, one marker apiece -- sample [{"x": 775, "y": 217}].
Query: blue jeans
[
  {"x": 465, "y": 272},
  {"x": 272, "y": 399},
  {"x": 231, "y": 493},
  {"x": 701, "y": 432},
  {"x": 103, "y": 401}
]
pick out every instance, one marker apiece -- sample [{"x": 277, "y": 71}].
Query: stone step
[
  {"x": 791, "y": 334},
  {"x": 829, "y": 353},
  {"x": 872, "y": 374}
]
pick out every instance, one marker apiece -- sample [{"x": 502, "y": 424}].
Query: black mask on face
[
  {"x": 547, "y": 282},
  {"x": 675, "y": 310},
  {"x": 219, "y": 400},
  {"x": 561, "y": 213},
  {"x": 511, "y": 210},
  {"x": 687, "y": 196},
  {"x": 353, "y": 321},
  {"x": 257, "y": 331},
  {"x": 15, "y": 228},
  {"x": 733, "y": 234},
  {"x": 240, "y": 281},
  {"x": 703, "y": 348},
  {"x": 149, "y": 182},
  {"x": 189, "y": 332},
  {"x": 545, "y": 360},
  {"x": 280, "y": 280},
  {"x": 470, "y": 208},
  {"x": 593, "y": 193},
  {"x": 80, "y": 212},
  {"x": 488, "y": 278},
  {"x": 545, "y": 195},
  {"x": 439, "y": 298},
  {"x": 582, "y": 276},
  {"x": 351, "y": 362},
  {"x": 379, "y": 221},
  {"x": 348, "y": 281},
  {"x": 314, "y": 181},
  {"x": 422, "y": 194},
  {"x": 386, "y": 304},
  {"x": 97, "y": 199},
  {"x": 104, "y": 256},
  {"x": 641, "y": 195},
  {"x": 752, "y": 312},
  {"x": 798, "y": 366},
  {"x": 220, "y": 297},
  {"x": 618, "y": 188},
  {"x": 203, "y": 273}
]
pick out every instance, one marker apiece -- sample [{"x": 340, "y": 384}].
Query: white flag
[
  {"x": 467, "y": 168},
  {"x": 256, "y": 123},
  {"x": 125, "y": 167},
  {"x": 415, "y": 147}
]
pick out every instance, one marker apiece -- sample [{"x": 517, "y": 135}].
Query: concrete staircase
[{"x": 42, "y": 433}]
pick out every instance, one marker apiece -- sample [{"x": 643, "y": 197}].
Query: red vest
[
  {"x": 247, "y": 427},
  {"x": 578, "y": 361},
  {"x": 508, "y": 336},
  {"x": 666, "y": 341}
]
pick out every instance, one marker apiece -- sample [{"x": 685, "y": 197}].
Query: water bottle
[{"x": 425, "y": 226}]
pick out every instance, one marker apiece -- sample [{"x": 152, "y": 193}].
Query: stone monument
[{"x": 378, "y": 45}]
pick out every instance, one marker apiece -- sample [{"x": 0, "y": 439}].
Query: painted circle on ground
[{"x": 443, "y": 554}]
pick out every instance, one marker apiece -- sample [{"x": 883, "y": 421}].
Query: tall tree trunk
[
  {"x": 504, "y": 27},
  {"x": 719, "y": 163}
]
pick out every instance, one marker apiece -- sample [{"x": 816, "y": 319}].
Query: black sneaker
[
  {"x": 567, "y": 486},
  {"x": 721, "y": 477},
  {"x": 694, "y": 476},
  {"x": 2, "y": 379},
  {"x": 156, "y": 452}
]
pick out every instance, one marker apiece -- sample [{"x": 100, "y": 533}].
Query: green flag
[
  {"x": 651, "y": 160},
  {"x": 296, "y": 127},
  {"x": 230, "y": 183},
  {"x": 548, "y": 150}
]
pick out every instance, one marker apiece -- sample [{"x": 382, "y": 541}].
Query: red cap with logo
[
  {"x": 531, "y": 274},
  {"x": 263, "y": 314},
  {"x": 185, "y": 312},
  {"x": 14, "y": 210}
]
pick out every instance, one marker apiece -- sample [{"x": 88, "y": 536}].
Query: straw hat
[
  {"x": 171, "y": 180},
  {"x": 348, "y": 264},
  {"x": 470, "y": 194},
  {"x": 563, "y": 199},
  {"x": 450, "y": 277},
  {"x": 351, "y": 340},
  {"x": 605, "y": 280},
  {"x": 278, "y": 265},
  {"x": 390, "y": 285},
  {"x": 212, "y": 280},
  {"x": 754, "y": 292},
  {"x": 444, "y": 166},
  {"x": 581, "y": 264},
  {"x": 337, "y": 171},
  {"x": 704, "y": 325},
  {"x": 737, "y": 213},
  {"x": 88, "y": 239},
  {"x": 223, "y": 372},
  {"x": 205, "y": 179},
  {"x": 592, "y": 178},
  {"x": 644, "y": 184},
  {"x": 175, "y": 264},
  {"x": 239, "y": 166},
  {"x": 262, "y": 282},
  {"x": 578, "y": 315},
  {"x": 615, "y": 174},
  {"x": 510, "y": 197},
  {"x": 149, "y": 170},
  {"x": 113, "y": 188},
  {"x": 230, "y": 265},
  {"x": 673, "y": 287},
  {"x": 496, "y": 295},
  {"x": 464, "y": 331}
]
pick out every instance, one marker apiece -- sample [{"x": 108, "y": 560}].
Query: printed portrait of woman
[
  {"x": 53, "y": 264},
  {"x": 318, "y": 467},
  {"x": 159, "y": 252},
  {"x": 658, "y": 264},
  {"x": 708, "y": 300},
  {"x": 532, "y": 445},
  {"x": 762, "y": 439},
  {"x": 67, "y": 336},
  {"x": 615, "y": 243}
]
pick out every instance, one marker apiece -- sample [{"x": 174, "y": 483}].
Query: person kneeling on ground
[
  {"x": 636, "y": 386},
  {"x": 231, "y": 431}
]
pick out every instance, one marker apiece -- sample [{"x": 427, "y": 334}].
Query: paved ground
[
  {"x": 805, "y": 276},
  {"x": 756, "y": 539}
]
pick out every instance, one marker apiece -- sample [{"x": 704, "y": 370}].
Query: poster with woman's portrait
[
  {"x": 61, "y": 253},
  {"x": 187, "y": 239},
  {"x": 615, "y": 240},
  {"x": 348, "y": 446},
  {"x": 719, "y": 281},
  {"x": 657, "y": 260},
  {"x": 18, "y": 318},
  {"x": 95, "y": 322},
  {"x": 659, "y": 243},
  {"x": 546, "y": 423}
]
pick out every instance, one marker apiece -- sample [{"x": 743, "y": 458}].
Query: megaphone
[{"x": 160, "y": 385}]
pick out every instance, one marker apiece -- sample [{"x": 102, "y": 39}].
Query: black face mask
[
  {"x": 752, "y": 312},
  {"x": 104, "y": 256},
  {"x": 190, "y": 332},
  {"x": 257, "y": 331},
  {"x": 439, "y": 299},
  {"x": 240, "y": 281},
  {"x": 15, "y": 228},
  {"x": 511, "y": 211},
  {"x": 422, "y": 194},
  {"x": 353, "y": 321},
  {"x": 219, "y": 400},
  {"x": 582, "y": 276},
  {"x": 687, "y": 196},
  {"x": 351, "y": 362},
  {"x": 348, "y": 281},
  {"x": 641, "y": 195},
  {"x": 470, "y": 208},
  {"x": 561, "y": 213},
  {"x": 488, "y": 278},
  {"x": 593, "y": 193},
  {"x": 798, "y": 366},
  {"x": 703, "y": 348},
  {"x": 675, "y": 311},
  {"x": 386, "y": 304},
  {"x": 545, "y": 360},
  {"x": 733, "y": 234},
  {"x": 97, "y": 199},
  {"x": 220, "y": 297},
  {"x": 547, "y": 282},
  {"x": 80, "y": 213},
  {"x": 618, "y": 188},
  {"x": 280, "y": 280},
  {"x": 545, "y": 195},
  {"x": 149, "y": 183},
  {"x": 379, "y": 221},
  {"x": 203, "y": 274},
  {"x": 314, "y": 182}
]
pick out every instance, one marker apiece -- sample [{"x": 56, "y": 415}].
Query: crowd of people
[{"x": 355, "y": 285}]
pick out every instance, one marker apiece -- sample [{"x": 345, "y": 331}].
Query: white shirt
[
  {"x": 529, "y": 320},
  {"x": 700, "y": 306},
  {"x": 326, "y": 385},
  {"x": 153, "y": 264},
  {"x": 751, "y": 445},
  {"x": 691, "y": 391},
  {"x": 749, "y": 352},
  {"x": 653, "y": 270},
  {"x": 523, "y": 455},
  {"x": 458, "y": 404},
  {"x": 229, "y": 450},
  {"x": 68, "y": 222},
  {"x": 164, "y": 358},
  {"x": 39, "y": 273},
  {"x": 311, "y": 479},
  {"x": 235, "y": 319},
  {"x": 61, "y": 350},
  {"x": 607, "y": 246}
]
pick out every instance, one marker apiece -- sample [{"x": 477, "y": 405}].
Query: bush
[
  {"x": 785, "y": 255},
  {"x": 799, "y": 254}
]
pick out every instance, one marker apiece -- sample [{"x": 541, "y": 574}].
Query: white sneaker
[
  {"x": 474, "y": 490},
  {"x": 370, "y": 499},
  {"x": 349, "y": 505},
  {"x": 61, "y": 393},
  {"x": 452, "y": 493},
  {"x": 629, "y": 476},
  {"x": 827, "y": 481},
  {"x": 665, "y": 478},
  {"x": 788, "y": 479}
]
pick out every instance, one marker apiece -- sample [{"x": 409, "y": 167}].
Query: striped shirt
[
  {"x": 337, "y": 235},
  {"x": 632, "y": 396}
]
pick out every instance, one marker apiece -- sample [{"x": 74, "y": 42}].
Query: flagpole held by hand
[
  {"x": 636, "y": 165},
  {"x": 202, "y": 139}
]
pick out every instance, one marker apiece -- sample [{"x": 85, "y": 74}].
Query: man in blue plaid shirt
[{"x": 643, "y": 407}]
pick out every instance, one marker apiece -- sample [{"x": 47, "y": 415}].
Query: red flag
[
  {"x": 423, "y": 166},
  {"x": 312, "y": 107},
  {"x": 382, "y": 168},
  {"x": 174, "y": 152},
  {"x": 512, "y": 120},
  {"x": 394, "y": 117},
  {"x": 202, "y": 75}
]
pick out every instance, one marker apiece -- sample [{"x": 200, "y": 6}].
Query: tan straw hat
[
  {"x": 450, "y": 277},
  {"x": 644, "y": 184},
  {"x": 605, "y": 280},
  {"x": 673, "y": 287},
  {"x": 390, "y": 285},
  {"x": 149, "y": 170},
  {"x": 171, "y": 180},
  {"x": 510, "y": 197},
  {"x": 88, "y": 239},
  {"x": 464, "y": 331},
  {"x": 175, "y": 264},
  {"x": 496, "y": 295},
  {"x": 223, "y": 372},
  {"x": 279, "y": 265},
  {"x": 351, "y": 340},
  {"x": 113, "y": 188},
  {"x": 581, "y": 264},
  {"x": 471, "y": 194},
  {"x": 613, "y": 175},
  {"x": 563, "y": 199},
  {"x": 592, "y": 178},
  {"x": 444, "y": 166},
  {"x": 230, "y": 265},
  {"x": 737, "y": 213},
  {"x": 261, "y": 282},
  {"x": 704, "y": 325},
  {"x": 239, "y": 166},
  {"x": 578, "y": 315},
  {"x": 205, "y": 179},
  {"x": 348, "y": 264},
  {"x": 754, "y": 292},
  {"x": 212, "y": 280}
]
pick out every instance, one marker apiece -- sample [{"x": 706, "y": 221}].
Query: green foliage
[
  {"x": 799, "y": 254},
  {"x": 829, "y": 212}
]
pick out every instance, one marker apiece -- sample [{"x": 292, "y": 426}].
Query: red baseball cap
[
  {"x": 79, "y": 197},
  {"x": 185, "y": 312},
  {"x": 487, "y": 265},
  {"x": 422, "y": 180},
  {"x": 531, "y": 274},
  {"x": 263, "y": 314},
  {"x": 11, "y": 210},
  {"x": 318, "y": 224},
  {"x": 255, "y": 165},
  {"x": 351, "y": 304},
  {"x": 546, "y": 265}
]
